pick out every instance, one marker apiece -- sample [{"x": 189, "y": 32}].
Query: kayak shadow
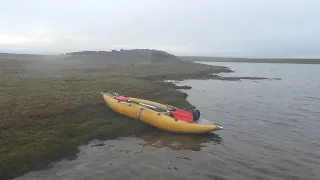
[{"x": 177, "y": 142}]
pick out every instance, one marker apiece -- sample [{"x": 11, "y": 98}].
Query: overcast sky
[{"x": 240, "y": 28}]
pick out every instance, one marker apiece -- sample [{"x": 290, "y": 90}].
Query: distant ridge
[
  {"x": 114, "y": 56},
  {"x": 152, "y": 52}
]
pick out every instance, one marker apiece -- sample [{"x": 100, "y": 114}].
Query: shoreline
[
  {"x": 196, "y": 157},
  {"x": 57, "y": 114},
  {"x": 171, "y": 83},
  {"x": 61, "y": 113}
]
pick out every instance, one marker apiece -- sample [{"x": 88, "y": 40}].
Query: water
[{"x": 272, "y": 133}]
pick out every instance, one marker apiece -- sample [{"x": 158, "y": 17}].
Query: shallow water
[{"x": 272, "y": 133}]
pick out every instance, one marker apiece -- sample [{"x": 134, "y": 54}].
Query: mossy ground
[{"x": 49, "y": 106}]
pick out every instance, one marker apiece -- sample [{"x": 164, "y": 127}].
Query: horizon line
[{"x": 203, "y": 56}]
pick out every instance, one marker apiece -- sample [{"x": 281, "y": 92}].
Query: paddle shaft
[
  {"x": 149, "y": 105},
  {"x": 184, "y": 116},
  {"x": 172, "y": 107},
  {"x": 179, "y": 114}
]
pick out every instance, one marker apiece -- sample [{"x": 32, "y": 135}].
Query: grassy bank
[
  {"x": 266, "y": 60},
  {"x": 51, "y": 104}
]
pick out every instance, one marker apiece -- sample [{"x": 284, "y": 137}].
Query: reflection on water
[
  {"x": 157, "y": 138},
  {"x": 152, "y": 154}
]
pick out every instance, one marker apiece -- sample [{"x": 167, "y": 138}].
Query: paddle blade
[
  {"x": 122, "y": 98},
  {"x": 183, "y": 115}
]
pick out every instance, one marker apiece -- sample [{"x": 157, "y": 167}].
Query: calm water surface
[{"x": 272, "y": 133}]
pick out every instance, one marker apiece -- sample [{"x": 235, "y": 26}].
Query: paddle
[{"x": 177, "y": 113}]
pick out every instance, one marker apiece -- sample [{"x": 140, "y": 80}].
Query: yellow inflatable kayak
[{"x": 158, "y": 118}]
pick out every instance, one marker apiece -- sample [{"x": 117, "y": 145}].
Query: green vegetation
[
  {"x": 266, "y": 60},
  {"x": 51, "y": 104}
]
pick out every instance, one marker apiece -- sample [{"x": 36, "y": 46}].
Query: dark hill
[{"x": 125, "y": 56}]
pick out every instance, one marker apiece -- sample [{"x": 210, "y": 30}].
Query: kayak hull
[{"x": 160, "y": 120}]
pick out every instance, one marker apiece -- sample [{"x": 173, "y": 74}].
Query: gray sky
[{"x": 244, "y": 28}]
